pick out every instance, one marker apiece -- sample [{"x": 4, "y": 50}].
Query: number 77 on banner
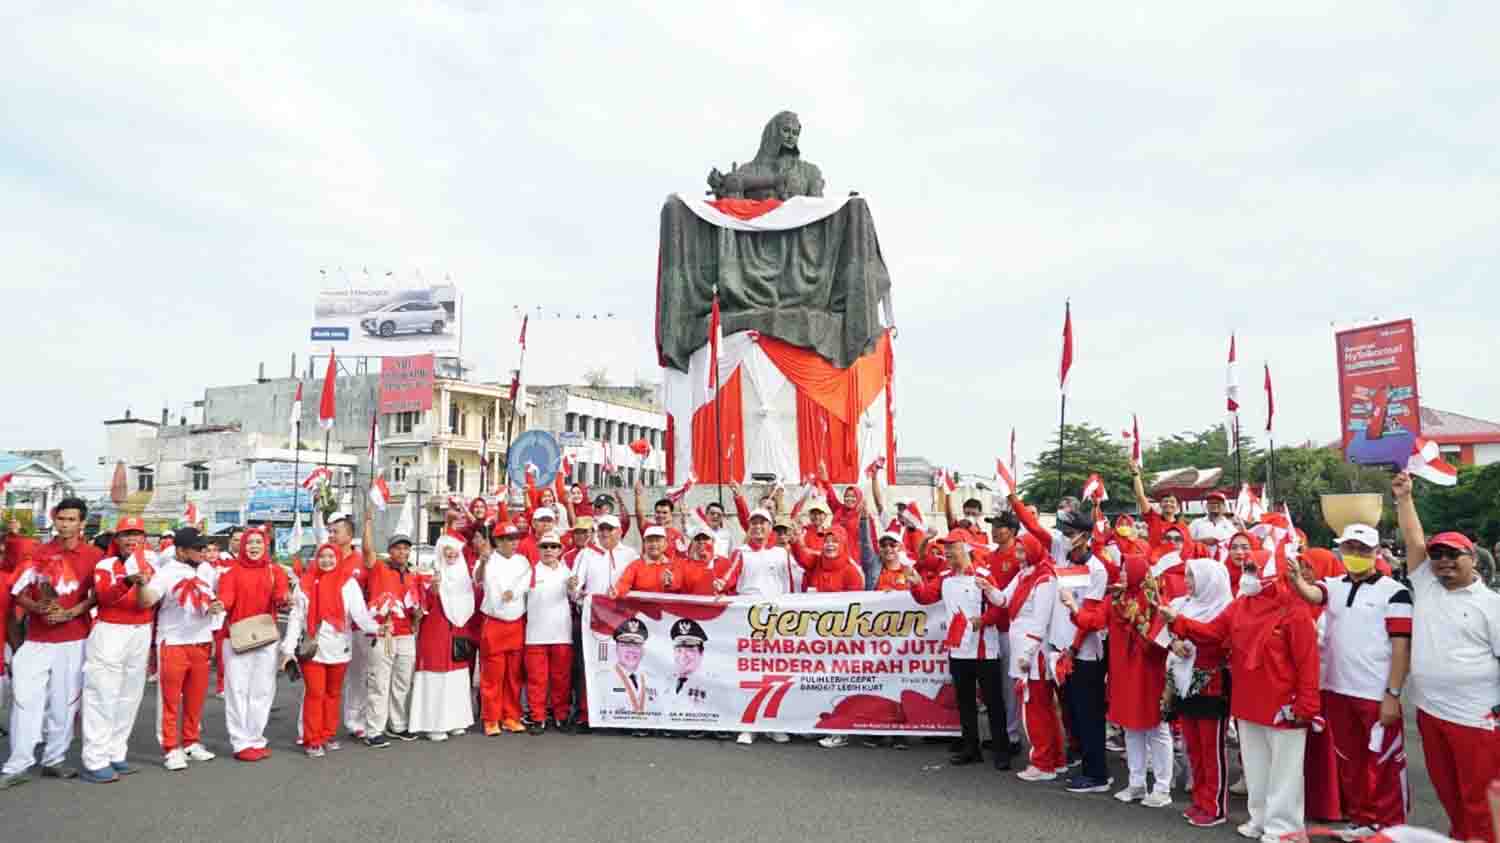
[{"x": 776, "y": 686}]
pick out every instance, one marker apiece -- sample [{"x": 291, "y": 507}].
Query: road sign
[
  {"x": 570, "y": 438},
  {"x": 538, "y": 448}
]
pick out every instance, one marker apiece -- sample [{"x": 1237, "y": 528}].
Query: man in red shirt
[{"x": 56, "y": 591}]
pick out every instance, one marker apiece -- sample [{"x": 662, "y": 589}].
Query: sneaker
[
  {"x": 876, "y": 741},
  {"x": 10, "y": 780},
  {"x": 122, "y": 768},
  {"x": 1202, "y": 819},
  {"x": 833, "y": 742},
  {"x": 1157, "y": 799},
  {"x": 377, "y": 742},
  {"x": 1114, "y": 744},
  {"x": 103, "y": 775},
  {"x": 535, "y": 729},
  {"x": 583, "y": 729},
  {"x": 1239, "y": 788},
  {"x": 176, "y": 760},
  {"x": 513, "y": 726},
  {"x": 247, "y": 755},
  {"x": 1250, "y": 830},
  {"x": 1032, "y": 774},
  {"x": 437, "y": 737},
  {"x": 333, "y": 746},
  {"x": 1354, "y": 831},
  {"x": 405, "y": 737},
  {"x": 780, "y": 737},
  {"x": 197, "y": 752},
  {"x": 492, "y": 730},
  {"x": 219, "y": 695},
  {"x": 58, "y": 771},
  {"x": 1087, "y": 784},
  {"x": 357, "y": 734},
  {"x": 1131, "y": 794},
  {"x": 314, "y": 752},
  {"x": 457, "y": 733},
  {"x": 745, "y": 739}
]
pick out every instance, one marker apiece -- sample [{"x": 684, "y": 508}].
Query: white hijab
[
  {"x": 455, "y": 585},
  {"x": 1211, "y": 596}
]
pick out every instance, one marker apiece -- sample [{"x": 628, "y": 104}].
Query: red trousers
[
  {"x": 1372, "y": 785},
  {"x": 1461, "y": 762},
  {"x": 549, "y": 676},
  {"x": 1320, "y": 777},
  {"x": 322, "y": 701},
  {"x": 1039, "y": 715},
  {"x": 183, "y": 683},
  {"x": 500, "y": 647},
  {"x": 1208, "y": 755},
  {"x": 220, "y": 636}
]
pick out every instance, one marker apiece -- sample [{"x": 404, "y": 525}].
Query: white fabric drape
[{"x": 793, "y": 213}]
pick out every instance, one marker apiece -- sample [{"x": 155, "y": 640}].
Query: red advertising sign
[
  {"x": 1379, "y": 412},
  {"x": 406, "y": 383}
]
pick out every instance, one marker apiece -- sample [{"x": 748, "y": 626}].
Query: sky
[{"x": 170, "y": 185}]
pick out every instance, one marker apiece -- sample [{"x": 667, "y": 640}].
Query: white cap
[
  {"x": 655, "y": 531},
  {"x": 335, "y": 517},
  {"x": 893, "y": 536},
  {"x": 760, "y": 513},
  {"x": 543, "y": 512},
  {"x": 1362, "y": 533},
  {"x": 549, "y": 537},
  {"x": 607, "y": 520},
  {"x": 698, "y": 527}
]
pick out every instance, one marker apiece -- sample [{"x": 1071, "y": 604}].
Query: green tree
[
  {"x": 1089, "y": 450},
  {"x": 1472, "y": 507},
  {"x": 1202, "y": 449},
  {"x": 1304, "y": 475}
]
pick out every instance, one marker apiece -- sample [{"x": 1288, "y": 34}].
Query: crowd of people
[{"x": 1176, "y": 641}]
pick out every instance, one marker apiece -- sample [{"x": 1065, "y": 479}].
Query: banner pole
[{"x": 1061, "y": 440}]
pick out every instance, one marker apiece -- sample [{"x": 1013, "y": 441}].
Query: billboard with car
[{"x": 363, "y": 319}]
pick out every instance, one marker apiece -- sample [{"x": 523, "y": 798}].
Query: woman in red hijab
[
  {"x": 1274, "y": 664},
  {"x": 253, "y": 585},
  {"x": 327, "y": 606}
]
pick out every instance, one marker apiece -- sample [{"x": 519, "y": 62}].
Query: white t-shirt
[
  {"x": 502, "y": 574},
  {"x": 334, "y": 647},
  {"x": 766, "y": 572},
  {"x": 1454, "y": 650},
  {"x": 549, "y": 616},
  {"x": 1362, "y": 618},
  {"x": 176, "y": 624},
  {"x": 598, "y": 569}
]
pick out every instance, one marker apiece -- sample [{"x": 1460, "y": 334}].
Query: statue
[{"x": 777, "y": 171}]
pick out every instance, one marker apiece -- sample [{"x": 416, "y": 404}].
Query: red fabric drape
[
  {"x": 671, "y": 450},
  {"x": 845, "y": 393},
  {"x": 823, "y": 437},
  {"x": 746, "y": 209},
  {"x": 705, "y": 443},
  {"x": 890, "y": 410}
]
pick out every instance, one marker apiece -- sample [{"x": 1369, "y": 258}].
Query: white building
[
  {"x": 595, "y": 426},
  {"x": 36, "y": 485}
]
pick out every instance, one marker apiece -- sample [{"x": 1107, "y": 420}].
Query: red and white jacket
[{"x": 973, "y": 624}]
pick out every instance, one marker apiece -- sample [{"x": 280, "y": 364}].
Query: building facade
[
  {"x": 38, "y": 481},
  {"x": 596, "y": 425}
]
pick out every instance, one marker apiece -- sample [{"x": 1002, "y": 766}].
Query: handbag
[
  {"x": 463, "y": 650},
  {"x": 256, "y": 631}
]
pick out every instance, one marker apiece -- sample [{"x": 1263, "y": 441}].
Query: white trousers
[
  {"x": 388, "y": 684},
  {"x": 249, "y": 689},
  {"x": 1008, "y": 693},
  {"x": 47, "y": 682},
  {"x": 114, "y": 680},
  {"x": 355, "y": 692},
  {"x": 1273, "y": 775},
  {"x": 1149, "y": 748}
]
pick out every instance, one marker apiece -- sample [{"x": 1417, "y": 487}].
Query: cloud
[{"x": 169, "y": 186}]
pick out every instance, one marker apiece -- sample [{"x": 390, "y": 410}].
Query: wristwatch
[{"x": 1394, "y": 692}]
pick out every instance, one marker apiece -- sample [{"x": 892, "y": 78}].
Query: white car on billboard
[{"x": 406, "y": 317}]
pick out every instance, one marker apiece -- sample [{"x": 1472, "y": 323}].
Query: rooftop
[{"x": 1447, "y": 428}]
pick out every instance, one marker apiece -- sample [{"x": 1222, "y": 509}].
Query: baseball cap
[
  {"x": 543, "y": 512},
  {"x": 189, "y": 538},
  {"x": 607, "y": 520},
  {"x": 397, "y": 538},
  {"x": 655, "y": 531},
  {"x": 1455, "y": 540},
  {"x": 507, "y": 531},
  {"x": 1075, "y": 522},
  {"x": 1362, "y": 533},
  {"x": 701, "y": 529},
  {"x": 584, "y": 523},
  {"x": 338, "y": 516},
  {"x": 1218, "y": 496},
  {"x": 816, "y": 506},
  {"x": 550, "y": 537},
  {"x": 955, "y": 537},
  {"x": 760, "y": 513},
  {"x": 130, "y": 524},
  {"x": 784, "y": 523},
  {"x": 890, "y": 536},
  {"x": 1005, "y": 519}
]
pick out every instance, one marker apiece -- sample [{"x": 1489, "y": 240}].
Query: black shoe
[
  {"x": 1015, "y": 747},
  {"x": 567, "y": 727},
  {"x": 405, "y": 737},
  {"x": 535, "y": 728},
  {"x": 1002, "y": 762},
  {"x": 58, "y": 771},
  {"x": 987, "y": 744},
  {"x": 960, "y": 759},
  {"x": 583, "y": 729},
  {"x": 377, "y": 742},
  {"x": 552, "y": 723}
]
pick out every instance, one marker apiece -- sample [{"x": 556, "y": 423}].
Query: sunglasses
[
  {"x": 1173, "y": 537},
  {"x": 1444, "y": 554}
]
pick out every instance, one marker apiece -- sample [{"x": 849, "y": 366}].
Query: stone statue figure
[{"x": 777, "y": 171}]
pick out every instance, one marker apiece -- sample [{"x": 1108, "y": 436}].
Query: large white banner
[
  {"x": 856, "y": 663},
  {"x": 373, "y": 319}
]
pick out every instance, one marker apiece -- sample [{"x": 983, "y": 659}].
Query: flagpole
[
  {"x": 718, "y": 426},
  {"x": 1064, "y": 371},
  {"x": 1270, "y": 472},
  {"x": 296, "y": 489},
  {"x": 1061, "y": 424},
  {"x": 1238, "y": 453}
]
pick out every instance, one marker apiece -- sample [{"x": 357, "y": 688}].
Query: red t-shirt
[{"x": 81, "y": 559}]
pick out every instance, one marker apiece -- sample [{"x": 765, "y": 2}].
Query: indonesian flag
[
  {"x": 958, "y": 627},
  {"x": 1094, "y": 489},
  {"x": 876, "y": 466},
  {"x": 190, "y": 515},
  {"x": 1248, "y": 507},
  {"x": 326, "y": 406},
  {"x": 515, "y": 386},
  {"x": 567, "y": 466},
  {"x": 374, "y": 449},
  {"x": 676, "y": 495},
  {"x": 911, "y": 516},
  {"x": 1007, "y": 482},
  {"x": 296, "y": 420},
  {"x": 715, "y": 338},
  {"x": 524, "y": 320},
  {"x": 945, "y": 479},
  {"x": 321, "y": 474},
  {"x": 380, "y": 493},
  {"x": 5, "y": 480},
  {"x": 1427, "y": 463},
  {"x": 1270, "y": 400},
  {"x": 1232, "y": 402},
  {"x": 532, "y": 472},
  {"x": 1066, "y": 365},
  {"x": 1133, "y": 436}
]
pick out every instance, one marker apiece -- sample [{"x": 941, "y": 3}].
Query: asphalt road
[{"x": 559, "y": 787}]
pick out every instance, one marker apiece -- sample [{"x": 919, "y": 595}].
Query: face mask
[
  {"x": 1125, "y": 532},
  {"x": 1250, "y": 584},
  {"x": 1358, "y": 565}
]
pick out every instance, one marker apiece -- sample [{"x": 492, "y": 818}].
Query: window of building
[
  {"x": 453, "y": 476},
  {"x": 454, "y": 416},
  {"x": 568, "y": 422},
  {"x": 598, "y": 475},
  {"x": 403, "y": 422},
  {"x": 200, "y": 478},
  {"x": 484, "y": 426},
  {"x": 598, "y": 428},
  {"x": 145, "y": 480},
  {"x": 620, "y": 434},
  {"x": 398, "y": 472}
]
